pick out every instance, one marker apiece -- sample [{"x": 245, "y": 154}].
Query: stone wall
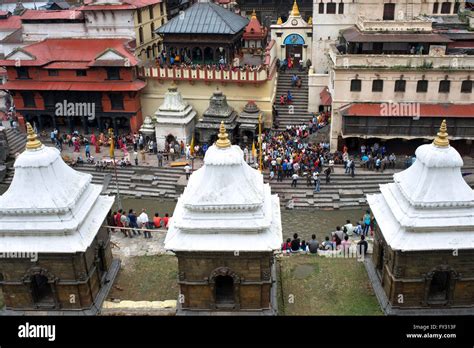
[{"x": 251, "y": 273}]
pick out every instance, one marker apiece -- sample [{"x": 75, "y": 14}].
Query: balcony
[
  {"x": 399, "y": 61},
  {"x": 419, "y": 24},
  {"x": 204, "y": 73}
]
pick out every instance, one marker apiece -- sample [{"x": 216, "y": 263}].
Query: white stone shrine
[
  {"x": 175, "y": 118},
  {"x": 224, "y": 231}
]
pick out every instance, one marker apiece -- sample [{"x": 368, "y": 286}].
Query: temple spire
[
  {"x": 441, "y": 139},
  {"x": 296, "y": 10},
  {"x": 32, "y": 139},
  {"x": 279, "y": 21},
  {"x": 223, "y": 142},
  {"x": 254, "y": 14}
]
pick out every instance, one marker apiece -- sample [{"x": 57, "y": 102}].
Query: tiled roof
[
  {"x": 426, "y": 110},
  {"x": 10, "y": 23},
  {"x": 205, "y": 18},
  {"x": 35, "y": 15},
  {"x": 125, "y": 5},
  {"x": 72, "y": 50}
]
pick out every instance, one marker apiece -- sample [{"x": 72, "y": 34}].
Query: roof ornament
[
  {"x": 223, "y": 142},
  {"x": 310, "y": 20},
  {"x": 32, "y": 139},
  {"x": 441, "y": 139},
  {"x": 279, "y": 21},
  {"x": 254, "y": 14},
  {"x": 296, "y": 10}
]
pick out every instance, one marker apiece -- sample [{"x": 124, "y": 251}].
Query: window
[
  {"x": 331, "y": 8},
  {"x": 446, "y": 7},
  {"x": 400, "y": 85},
  {"x": 466, "y": 86},
  {"x": 116, "y": 101},
  {"x": 140, "y": 34},
  {"x": 53, "y": 72},
  {"x": 152, "y": 28},
  {"x": 457, "y": 4},
  {"x": 377, "y": 85},
  {"x": 356, "y": 85},
  {"x": 161, "y": 9},
  {"x": 435, "y": 7},
  {"x": 444, "y": 86},
  {"x": 139, "y": 15},
  {"x": 22, "y": 72},
  {"x": 28, "y": 99},
  {"x": 388, "y": 12},
  {"x": 341, "y": 8},
  {"x": 81, "y": 72},
  {"x": 113, "y": 74},
  {"x": 150, "y": 10},
  {"x": 422, "y": 86},
  {"x": 321, "y": 7}
]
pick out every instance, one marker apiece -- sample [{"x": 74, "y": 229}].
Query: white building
[
  {"x": 174, "y": 119},
  {"x": 293, "y": 38}
]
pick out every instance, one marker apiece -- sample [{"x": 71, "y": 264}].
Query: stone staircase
[
  {"x": 343, "y": 192},
  {"x": 16, "y": 141},
  {"x": 297, "y": 113},
  {"x": 139, "y": 182}
]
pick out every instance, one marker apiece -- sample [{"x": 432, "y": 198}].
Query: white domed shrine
[
  {"x": 424, "y": 241},
  {"x": 227, "y": 222},
  {"x": 53, "y": 215}
]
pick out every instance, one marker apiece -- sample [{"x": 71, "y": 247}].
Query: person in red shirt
[
  {"x": 118, "y": 221},
  {"x": 157, "y": 220},
  {"x": 166, "y": 220}
]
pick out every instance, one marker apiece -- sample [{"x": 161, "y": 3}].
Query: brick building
[{"x": 76, "y": 84}]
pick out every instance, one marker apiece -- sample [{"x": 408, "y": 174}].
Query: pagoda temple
[
  {"x": 423, "y": 259},
  {"x": 174, "y": 119},
  {"x": 217, "y": 112},
  {"x": 225, "y": 228},
  {"x": 55, "y": 248},
  {"x": 248, "y": 122},
  {"x": 255, "y": 35}
]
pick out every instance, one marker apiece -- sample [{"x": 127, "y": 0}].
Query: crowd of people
[
  {"x": 131, "y": 224},
  {"x": 340, "y": 239}
]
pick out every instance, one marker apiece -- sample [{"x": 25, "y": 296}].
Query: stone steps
[
  {"x": 16, "y": 141},
  {"x": 299, "y": 113}
]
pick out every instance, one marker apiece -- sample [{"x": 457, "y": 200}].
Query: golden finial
[
  {"x": 32, "y": 142},
  {"x": 310, "y": 20},
  {"x": 254, "y": 14},
  {"x": 296, "y": 10},
  {"x": 441, "y": 139},
  {"x": 223, "y": 142},
  {"x": 279, "y": 21}
]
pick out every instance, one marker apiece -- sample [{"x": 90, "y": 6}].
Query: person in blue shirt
[
  {"x": 88, "y": 150},
  {"x": 367, "y": 221}
]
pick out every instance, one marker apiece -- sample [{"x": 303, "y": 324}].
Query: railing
[
  {"x": 264, "y": 73},
  {"x": 400, "y": 61},
  {"x": 417, "y": 24}
]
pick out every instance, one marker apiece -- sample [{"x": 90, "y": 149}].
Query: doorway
[
  {"x": 42, "y": 291},
  {"x": 296, "y": 52},
  {"x": 224, "y": 291},
  {"x": 439, "y": 287}
]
